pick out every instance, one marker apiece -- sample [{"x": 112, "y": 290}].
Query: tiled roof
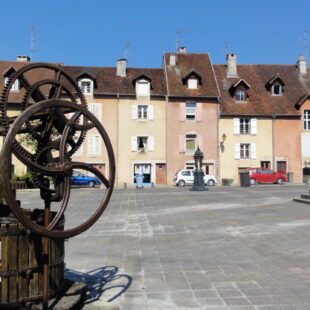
[
  {"x": 109, "y": 83},
  {"x": 260, "y": 100},
  {"x": 187, "y": 62},
  {"x": 106, "y": 79}
]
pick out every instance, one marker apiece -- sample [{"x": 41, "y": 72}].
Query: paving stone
[{"x": 167, "y": 240}]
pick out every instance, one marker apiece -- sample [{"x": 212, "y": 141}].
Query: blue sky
[{"x": 96, "y": 32}]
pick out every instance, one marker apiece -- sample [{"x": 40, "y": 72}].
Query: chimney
[
  {"x": 23, "y": 58},
  {"x": 231, "y": 63},
  {"x": 121, "y": 67},
  {"x": 173, "y": 60},
  {"x": 302, "y": 65},
  {"x": 182, "y": 49}
]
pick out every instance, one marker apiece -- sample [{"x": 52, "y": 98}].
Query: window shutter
[
  {"x": 150, "y": 112},
  {"x": 199, "y": 111},
  {"x": 236, "y": 126},
  {"x": 134, "y": 144},
  {"x": 253, "y": 150},
  {"x": 150, "y": 144},
  {"x": 182, "y": 111},
  {"x": 182, "y": 143},
  {"x": 237, "y": 151},
  {"x": 91, "y": 145},
  {"x": 134, "y": 112},
  {"x": 253, "y": 126},
  {"x": 200, "y": 142}
]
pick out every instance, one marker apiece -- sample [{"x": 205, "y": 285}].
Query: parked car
[
  {"x": 265, "y": 175},
  {"x": 81, "y": 179},
  {"x": 186, "y": 177}
]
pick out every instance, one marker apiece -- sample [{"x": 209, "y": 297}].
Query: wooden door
[{"x": 161, "y": 174}]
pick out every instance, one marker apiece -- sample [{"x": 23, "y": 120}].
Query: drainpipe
[
  {"x": 273, "y": 143},
  {"x": 218, "y": 171},
  {"x": 117, "y": 139}
]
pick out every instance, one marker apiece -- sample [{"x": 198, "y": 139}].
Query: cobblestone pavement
[{"x": 169, "y": 248}]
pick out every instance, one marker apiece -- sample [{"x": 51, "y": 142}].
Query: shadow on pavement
[{"x": 101, "y": 281}]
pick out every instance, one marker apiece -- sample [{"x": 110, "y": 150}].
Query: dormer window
[
  {"x": 192, "y": 83},
  {"x": 240, "y": 95},
  {"x": 15, "y": 86},
  {"x": 192, "y": 79},
  {"x": 276, "y": 90},
  {"x": 275, "y": 85},
  {"x": 239, "y": 91},
  {"x": 86, "y": 86},
  {"x": 143, "y": 88}
]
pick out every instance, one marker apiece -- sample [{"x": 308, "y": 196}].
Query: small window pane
[
  {"x": 142, "y": 111},
  {"x": 306, "y": 119},
  {"x": 240, "y": 95}
]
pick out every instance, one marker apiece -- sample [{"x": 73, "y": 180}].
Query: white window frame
[
  {"x": 142, "y": 111},
  {"x": 89, "y": 89},
  {"x": 273, "y": 89},
  {"x": 95, "y": 109},
  {"x": 94, "y": 147},
  {"x": 190, "y": 137},
  {"x": 190, "y": 111},
  {"x": 15, "y": 87},
  {"x": 306, "y": 119},
  {"x": 143, "y": 88},
  {"x": 245, "y": 126},
  {"x": 239, "y": 97},
  {"x": 192, "y": 83},
  {"x": 245, "y": 150}
]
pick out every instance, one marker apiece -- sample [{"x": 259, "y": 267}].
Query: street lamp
[{"x": 199, "y": 184}]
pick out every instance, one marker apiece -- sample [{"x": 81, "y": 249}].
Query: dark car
[
  {"x": 81, "y": 179},
  {"x": 265, "y": 175}
]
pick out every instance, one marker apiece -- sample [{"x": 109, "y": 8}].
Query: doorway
[
  {"x": 145, "y": 170},
  {"x": 161, "y": 174},
  {"x": 281, "y": 166}
]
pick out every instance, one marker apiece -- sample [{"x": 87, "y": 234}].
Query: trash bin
[
  {"x": 139, "y": 180},
  {"x": 290, "y": 177},
  {"x": 244, "y": 179}
]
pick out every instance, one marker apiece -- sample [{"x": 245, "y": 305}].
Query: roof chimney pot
[
  {"x": 173, "y": 60},
  {"x": 121, "y": 67},
  {"x": 23, "y": 58},
  {"x": 302, "y": 65},
  {"x": 231, "y": 63}
]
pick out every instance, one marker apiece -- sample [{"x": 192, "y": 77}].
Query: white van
[{"x": 186, "y": 177}]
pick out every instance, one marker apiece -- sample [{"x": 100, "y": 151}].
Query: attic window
[
  {"x": 276, "y": 89},
  {"x": 15, "y": 86},
  {"x": 143, "y": 88},
  {"x": 192, "y": 83},
  {"x": 240, "y": 95},
  {"x": 86, "y": 86}
]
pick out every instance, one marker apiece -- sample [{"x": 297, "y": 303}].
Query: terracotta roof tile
[
  {"x": 187, "y": 62},
  {"x": 260, "y": 101}
]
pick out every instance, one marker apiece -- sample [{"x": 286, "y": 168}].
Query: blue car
[{"x": 81, "y": 179}]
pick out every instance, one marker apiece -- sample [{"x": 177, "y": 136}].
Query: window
[
  {"x": 190, "y": 166},
  {"x": 94, "y": 145},
  {"x": 306, "y": 119},
  {"x": 276, "y": 90},
  {"x": 79, "y": 151},
  {"x": 245, "y": 150},
  {"x": 192, "y": 83},
  {"x": 142, "y": 111},
  {"x": 240, "y": 95},
  {"x": 190, "y": 143},
  {"x": 142, "y": 144},
  {"x": 15, "y": 86},
  {"x": 95, "y": 108},
  {"x": 245, "y": 127},
  {"x": 86, "y": 86},
  {"x": 186, "y": 173},
  {"x": 143, "y": 88},
  {"x": 190, "y": 111}
]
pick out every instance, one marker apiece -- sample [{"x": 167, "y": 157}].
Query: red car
[{"x": 265, "y": 175}]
